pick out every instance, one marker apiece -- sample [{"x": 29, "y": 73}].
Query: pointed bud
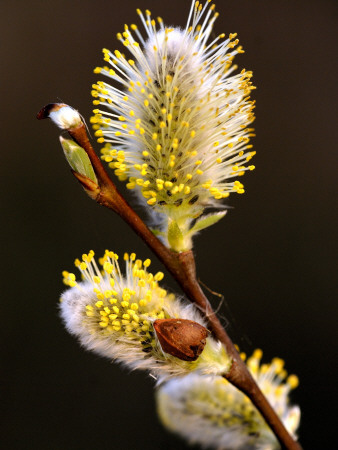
[
  {"x": 182, "y": 338},
  {"x": 78, "y": 159},
  {"x": 64, "y": 116}
]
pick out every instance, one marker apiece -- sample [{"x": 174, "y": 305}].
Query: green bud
[{"x": 78, "y": 159}]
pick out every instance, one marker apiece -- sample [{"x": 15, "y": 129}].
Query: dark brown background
[{"x": 273, "y": 256}]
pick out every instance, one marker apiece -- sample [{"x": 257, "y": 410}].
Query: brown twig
[{"x": 182, "y": 267}]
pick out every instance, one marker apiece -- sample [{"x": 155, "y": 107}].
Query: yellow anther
[
  {"x": 279, "y": 364},
  {"x": 193, "y": 133},
  {"x": 257, "y": 354},
  {"x": 162, "y": 124},
  {"x": 132, "y": 257},
  {"x": 159, "y": 276},
  {"x": 293, "y": 381}
]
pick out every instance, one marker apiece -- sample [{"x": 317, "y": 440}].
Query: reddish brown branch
[{"x": 182, "y": 267}]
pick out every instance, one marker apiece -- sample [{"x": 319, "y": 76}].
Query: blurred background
[{"x": 273, "y": 256}]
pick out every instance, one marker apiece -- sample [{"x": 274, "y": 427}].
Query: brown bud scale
[
  {"x": 46, "y": 110},
  {"x": 184, "y": 339}
]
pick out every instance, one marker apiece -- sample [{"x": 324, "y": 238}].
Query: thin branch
[{"x": 182, "y": 267}]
